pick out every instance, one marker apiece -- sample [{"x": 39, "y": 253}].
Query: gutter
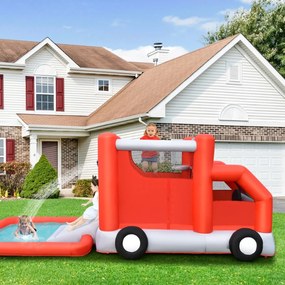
[
  {"x": 116, "y": 122},
  {"x": 8, "y": 65},
  {"x": 104, "y": 71}
]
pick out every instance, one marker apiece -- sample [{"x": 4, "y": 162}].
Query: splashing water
[
  {"x": 47, "y": 190},
  {"x": 39, "y": 198}
]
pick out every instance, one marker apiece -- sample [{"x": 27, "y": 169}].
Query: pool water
[{"x": 44, "y": 231}]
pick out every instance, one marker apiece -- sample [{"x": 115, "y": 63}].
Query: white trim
[
  {"x": 8, "y": 65},
  {"x": 263, "y": 61},
  {"x": 99, "y": 71},
  {"x": 196, "y": 74},
  {"x": 216, "y": 122},
  {"x": 63, "y": 133},
  {"x": 157, "y": 110},
  {"x": 34, "y": 146},
  {"x": 40, "y": 111},
  {"x": 49, "y": 42},
  {"x": 45, "y": 70},
  {"x": 233, "y": 112},
  {"x": 103, "y": 91},
  {"x": 116, "y": 122},
  {"x": 263, "y": 73}
]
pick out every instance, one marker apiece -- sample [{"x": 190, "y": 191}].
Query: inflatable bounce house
[{"x": 171, "y": 212}]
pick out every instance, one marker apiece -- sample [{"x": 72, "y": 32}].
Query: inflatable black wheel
[
  {"x": 131, "y": 242},
  {"x": 246, "y": 244}
]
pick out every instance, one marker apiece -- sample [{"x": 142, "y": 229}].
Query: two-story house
[{"x": 56, "y": 99}]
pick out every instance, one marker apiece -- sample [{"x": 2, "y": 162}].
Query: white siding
[
  {"x": 88, "y": 148},
  {"x": 14, "y": 97},
  {"x": 205, "y": 98},
  {"x": 80, "y": 95}
]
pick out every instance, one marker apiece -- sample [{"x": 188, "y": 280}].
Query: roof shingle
[
  {"x": 84, "y": 56},
  {"x": 155, "y": 84},
  {"x": 53, "y": 120}
]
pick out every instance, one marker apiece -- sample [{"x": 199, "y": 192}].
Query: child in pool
[
  {"x": 91, "y": 212},
  {"x": 25, "y": 227}
]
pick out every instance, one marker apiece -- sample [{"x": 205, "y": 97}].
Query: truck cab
[{"x": 180, "y": 211}]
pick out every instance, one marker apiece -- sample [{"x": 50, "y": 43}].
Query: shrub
[
  {"x": 41, "y": 181},
  {"x": 164, "y": 166},
  {"x": 11, "y": 183},
  {"x": 82, "y": 188}
]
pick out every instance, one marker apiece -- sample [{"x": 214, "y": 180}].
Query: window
[
  {"x": 1, "y": 91},
  {"x": 2, "y": 153},
  {"x": 2, "y": 150},
  {"x": 234, "y": 71},
  {"x": 45, "y": 93},
  {"x": 104, "y": 85}
]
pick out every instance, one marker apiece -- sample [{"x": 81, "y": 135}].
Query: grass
[{"x": 151, "y": 269}]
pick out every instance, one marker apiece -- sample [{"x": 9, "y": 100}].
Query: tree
[
  {"x": 41, "y": 181},
  {"x": 264, "y": 27}
]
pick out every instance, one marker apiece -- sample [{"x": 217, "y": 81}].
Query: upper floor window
[
  {"x": 45, "y": 93},
  {"x": 104, "y": 85}
]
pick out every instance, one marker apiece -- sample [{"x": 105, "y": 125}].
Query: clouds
[
  {"x": 183, "y": 30},
  {"x": 182, "y": 27},
  {"x": 140, "y": 54},
  {"x": 246, "y": 1},
  {"x": 204, "y": 24},
  {"x": 187, "y": 22}
]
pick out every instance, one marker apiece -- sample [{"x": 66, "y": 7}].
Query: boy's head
[{"x": 24, "y": 220}]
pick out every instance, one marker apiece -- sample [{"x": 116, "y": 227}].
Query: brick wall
[
  {"x": 22, "y": 145},
  {"x": 69, "y": 162},
  {"x": 223, "y": 133}
]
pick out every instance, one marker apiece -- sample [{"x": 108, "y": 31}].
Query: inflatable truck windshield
[{"x": 179, "y": 211}]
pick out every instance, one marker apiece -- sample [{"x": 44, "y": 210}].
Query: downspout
[{"x": 142, "y": 122}]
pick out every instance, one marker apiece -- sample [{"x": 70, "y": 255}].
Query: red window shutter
[
  {"x": 10, "y": 150},
  {"x": 1, "y": 91},
  {"x": 59, "y": 94},
  {"x": 30, "y": 93}
]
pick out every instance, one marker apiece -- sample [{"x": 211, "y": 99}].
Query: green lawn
[{"x": 97, "y": 268}]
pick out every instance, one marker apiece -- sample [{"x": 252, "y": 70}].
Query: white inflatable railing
[{"x": 156, "y": 145}]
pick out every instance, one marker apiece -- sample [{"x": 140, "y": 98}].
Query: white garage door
[{"x": 265, "y": 160}]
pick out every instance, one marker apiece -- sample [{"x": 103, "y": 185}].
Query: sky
[{"x": 126, "y": 27}]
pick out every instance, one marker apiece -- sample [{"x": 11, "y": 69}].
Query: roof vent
[{"x": 157, "y": 46}]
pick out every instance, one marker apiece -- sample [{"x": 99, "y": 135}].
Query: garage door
[{"x": 266, "y": 161}]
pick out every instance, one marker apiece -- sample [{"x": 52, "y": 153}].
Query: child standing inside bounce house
[
  {"x": 150, "y": 157},
  {"x": 91, "y": 213}
]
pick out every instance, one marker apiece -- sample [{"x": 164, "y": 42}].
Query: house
[{"x": 56, "y": 99}]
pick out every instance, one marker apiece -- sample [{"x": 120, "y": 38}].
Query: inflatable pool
[{"x": 61, "y": 243}]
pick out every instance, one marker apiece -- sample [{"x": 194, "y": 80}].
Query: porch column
[{"x": 34, "y": 155}]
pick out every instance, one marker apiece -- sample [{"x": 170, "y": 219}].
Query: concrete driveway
[{"x": 279, "y": 204}]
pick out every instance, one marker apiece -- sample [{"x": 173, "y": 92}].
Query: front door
[{"x": 50, "y": 150}]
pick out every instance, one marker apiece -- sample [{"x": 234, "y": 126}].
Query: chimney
[{"x": 159, "y": 55}]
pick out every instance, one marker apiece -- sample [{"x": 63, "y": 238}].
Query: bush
[
  {"x": 164, "y": 166},
  {"x": 83, "y": 188},
  {"x": 41, "y": 181},
  {"x": 11, "y": 183}
]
